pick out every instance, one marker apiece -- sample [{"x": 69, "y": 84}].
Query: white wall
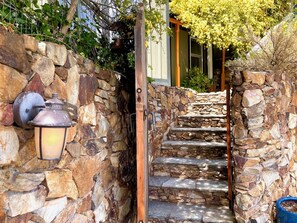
[{"x": 158, "y": 56}]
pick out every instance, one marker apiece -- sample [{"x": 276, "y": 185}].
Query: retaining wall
[{"x": 92, "y": 181}]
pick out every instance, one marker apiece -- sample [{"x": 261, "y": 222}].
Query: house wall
[
  {"x": 158, "y": 53},
  {"x": 93, "y": 180},
  {"x": 157, "y": 59},
  {"x": 264, "y": 146}
]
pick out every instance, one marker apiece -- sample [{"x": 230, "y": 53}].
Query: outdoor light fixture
[{"x": 51, "y": 123}]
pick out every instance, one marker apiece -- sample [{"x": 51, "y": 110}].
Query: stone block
[
  {"x": 254, "y": 77},
  {"x": 252, "y": 97},
  {"x": 35, "y": 85},
  {"x": 9, "y": 145},
  {"x": 22, "y": 203},
  {"x": 83, "y": 170},
  {"x": 292, "y": 121},
  {"x": 6, "y": 114},
  {"x": 41, "y": 48},
  {"x": 57, "y": 53},
  {"x": 98, "y": 193},
  {"x": 45, "y": 68},
  {"x": 20, "y": 182},
  {"x": 294, "y": 99},
  {"x": 57, "y": 86},
  {"x": 72, "y": 86},
  {"x": 30, "y": 43},
  {"x": 67, "y": 213},
  {"x": 124, "y": 209},
  {"x": 11, "y": 55},
  {"x": 87, "y": 114},
  {"x": 9, "y": 91},
  {"x": 62, "y": 72},
  {"x": 51, "y": 209},
  {"x": 87, "y": 89},
  {"x": 100, "y": 213},
  {"x": 60, "y": 183},
  {"x": 85, "y": 203}
]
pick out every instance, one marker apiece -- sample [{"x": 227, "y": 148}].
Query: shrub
[
  {"x": 196, "y": 80},
  {"x": 277, "y": 51}
]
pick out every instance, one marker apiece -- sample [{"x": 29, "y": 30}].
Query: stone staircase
[{"x": 188, "y": 181}]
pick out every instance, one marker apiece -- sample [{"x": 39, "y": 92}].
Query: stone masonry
[
  {"x": 188, "y": 178},
  {"x": 264, "y": 146},
  {"x": 91, "y": 183},
  {"x": 166, "y": 104}
]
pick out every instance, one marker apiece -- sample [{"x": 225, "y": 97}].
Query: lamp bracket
[{"x": 26, "y": 106}]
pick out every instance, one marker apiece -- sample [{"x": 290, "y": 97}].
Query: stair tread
[
  {"x": 201, "y": 116},
  {"x": 217, "y": 93},
  {"x": 190, "y": 161},
  {"x": 192, "y": 129},
  {"x": 193, "y": 143},
  {"x": 209, "y": 103},
  {"x": 198, "y": 213},
  {"x": 179, "y": 183}
]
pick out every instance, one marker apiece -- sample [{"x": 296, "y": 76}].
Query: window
[{"x": 196, "y": 54}]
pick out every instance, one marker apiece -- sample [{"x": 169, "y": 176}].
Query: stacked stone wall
[
  {"x": 91, "y": 183},
  {"x": 264, "y": 145},
  {"x": 165, "y": 104}
]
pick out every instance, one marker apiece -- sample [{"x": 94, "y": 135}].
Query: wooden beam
[
  {"x": 141, "y": 120},
  {"x": 223, "y": 76},
  {"x": 177, "y": 45},
  {"x": 175, "y": 21},
  {"x": 228, "y": 139}
]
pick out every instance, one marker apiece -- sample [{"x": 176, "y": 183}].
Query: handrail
[{"x": 229, "y": 155}]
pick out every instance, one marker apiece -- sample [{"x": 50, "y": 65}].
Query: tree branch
[{"x": 70, "y": 16}]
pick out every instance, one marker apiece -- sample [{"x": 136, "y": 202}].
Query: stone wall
[
  {"x": 264, "y": 146},
  {"x": 165, "y": 103},
  {"x": 91, "y": 183}
]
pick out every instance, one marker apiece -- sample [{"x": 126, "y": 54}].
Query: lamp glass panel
[{"x": 52, "y": 140}]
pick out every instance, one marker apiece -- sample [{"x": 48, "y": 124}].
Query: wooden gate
[{"x": 141, "y": 117}]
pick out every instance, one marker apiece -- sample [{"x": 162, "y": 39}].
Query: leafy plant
[
  {"x": 150, "y": 80},
  {"x": 47, "y": 22},
  {"x": 228, "y": 23},
  {"x": 277, "y": 51},
  {"x": 197, "y": 80}
]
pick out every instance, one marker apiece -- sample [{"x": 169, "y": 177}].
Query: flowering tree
[{"x": 226, "y": 23}]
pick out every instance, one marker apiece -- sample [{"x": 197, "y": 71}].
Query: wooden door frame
[{"x": 141, "y": 117}]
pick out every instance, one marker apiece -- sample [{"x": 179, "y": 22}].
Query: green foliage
[
  {"x": 228, "y": 23},
  {"x": 150, "y": 80},
  {"x": 196, "y": 80},
  {"x": 277, "y": 51},
  {"x": 45, "y": 22}
]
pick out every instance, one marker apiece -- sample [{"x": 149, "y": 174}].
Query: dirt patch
[{"x": 290, "y": 206}]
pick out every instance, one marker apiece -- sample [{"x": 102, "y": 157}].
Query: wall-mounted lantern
[{"x": 51, "y": 123}]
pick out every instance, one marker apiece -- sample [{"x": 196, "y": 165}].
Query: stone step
[
  {"x": 164, "y": 212},
  {"x": 188, "y": 191},
  {"x": 193, "y": 149},
  {"x": 199, "y": 121},
  {"x": 191, "y": 129},
  {"x": 203, "y": 104},
  {"x": 208, "y": 108},
  {"x": 203, "y": 134},
  {"x": 190, "y": 168},
  {"x": 211, "y": 97}
]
